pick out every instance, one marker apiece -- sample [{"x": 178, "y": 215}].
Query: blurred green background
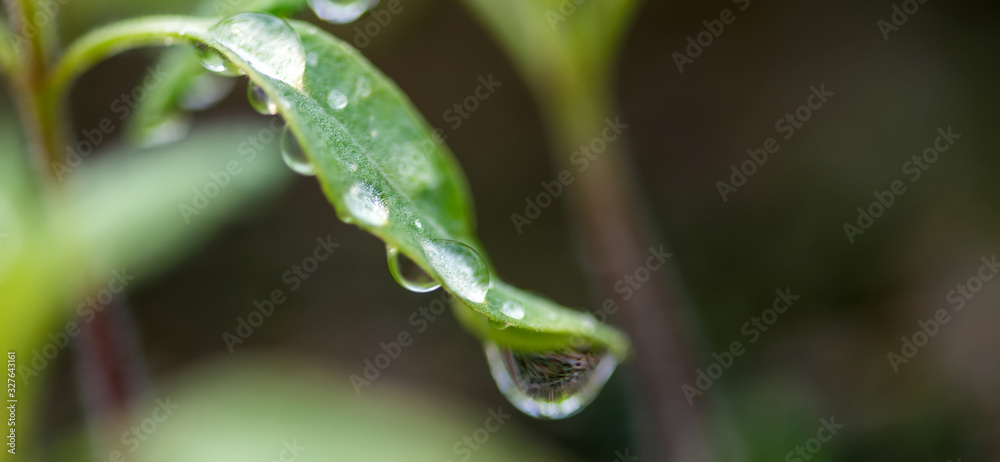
[{"x": 826, "y": 356}]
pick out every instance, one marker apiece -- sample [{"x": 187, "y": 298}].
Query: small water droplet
[
  {"x": 205, "y": 91},
  {"x": 215, "y": 62},
  {"x": 352, "y": 167},
  {"x": 341, "y": 11},
  {"x": 260, "y": 100},
  {"x": 408, "y": 274},
  {"x": 373, "y": 133},
  {"x": 418, "y": 223},
  {"x": 168, "y": 130},
  {"x": 336, "y": 99},
  {"x": 550, "y": 384},
  {"x": 254, "y": 37},
  {"x": 293, "y": 155},
  {"x": 362, "y": 89},
  {"x": 513, "y": 309},
  {"x": 460, "y": 267},
  {"x": 365, "y": 205},
  {"x": 312, "y": 58}
]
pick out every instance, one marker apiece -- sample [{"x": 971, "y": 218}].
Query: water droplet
[
  {"x": 365, "y": 205},
  {"x": 260, "y": 100},
  {"x": 341, "y": 11},
  {"x": 362, "y": 89},
  {"x": 408, "y": 274},
  {"x": 215, "y": 62},
  {"x": 418, "y": 223},
  {"x": 312, "y": 58},
  {"x": 550, "y": 384},
  {"x": 460, "y": 267},
  {"x": 513, "y": 309},
  {"x": 352, "y": 167},
  {"x": 206, "y": 91},
  {"x": 168, "y": 130},
  {"x": 498, "y": 325},
  {"x": 336, "y": 100},
  {"x": 254, "y": 37},
  {"x": 293, "y": 155}
]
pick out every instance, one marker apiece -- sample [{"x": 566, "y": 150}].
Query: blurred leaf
[
  {"x": 186, "y": 73},
  {"x": 143, "y": 210},
  {"x": 256, "y": 407},
  {"x": 374, "y": 157}
]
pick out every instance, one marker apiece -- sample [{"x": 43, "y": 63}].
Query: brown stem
[{"x": 613, "y": 236}]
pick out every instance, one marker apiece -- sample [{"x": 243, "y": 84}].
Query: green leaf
[
  {"x": 146, "y": 209},
  {"x": 186, "y": 76},
  {"x": 375, "y": 160}
]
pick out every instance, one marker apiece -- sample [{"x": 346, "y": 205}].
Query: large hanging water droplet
[
  {"x": 205, "y": 91},
  {"x": 215, "y": 62},
  {"x": 341, "y": 11},
  {"x": 254, "y": 37},
  {"x": 260, "y": 100},
  {"x": 550, "y": 384},
  {"x": 293, "y": 155},
  {"x": 460, "y": 267},
  {"x": 408, "y": 274},
  {"x": 336, "y": 99},
  {"x": 365, "y": 205}
]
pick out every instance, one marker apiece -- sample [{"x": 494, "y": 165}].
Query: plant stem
[
  {"x": 614, "y": 236},
  {"x": 33, "y": 32}
]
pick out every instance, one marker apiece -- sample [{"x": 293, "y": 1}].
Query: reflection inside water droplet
[
  {"x": 293, "y": 155},
  {"x": 212, "y": 60},
  {"x": 254, "y": 37},
  {"x": 408, "y": 274},
  {"x": 553, "y": 384},
  {"x": 364, "y": 205},
  {"x": 460, "y": 267},
  {"x": 260, "y": 100},
  {"x": 336, "y": 100},
  {"x": 341, "y": 11}
]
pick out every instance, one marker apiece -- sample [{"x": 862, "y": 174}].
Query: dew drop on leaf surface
[
  {"x": 550, "y": 384},
  {"x": 364, "y": 205},
  {"x": 341, "y": 11},
  {"x": 260, "y": 100},
  {"x": 408, "y": 274},
  {"x": 460, "y": 267},
  {"x": 336, "y": 99},
  {"x": 293, "y": 155},
  {"x": 215, "y": 62},
  {"x": 241, "y": 35}
]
